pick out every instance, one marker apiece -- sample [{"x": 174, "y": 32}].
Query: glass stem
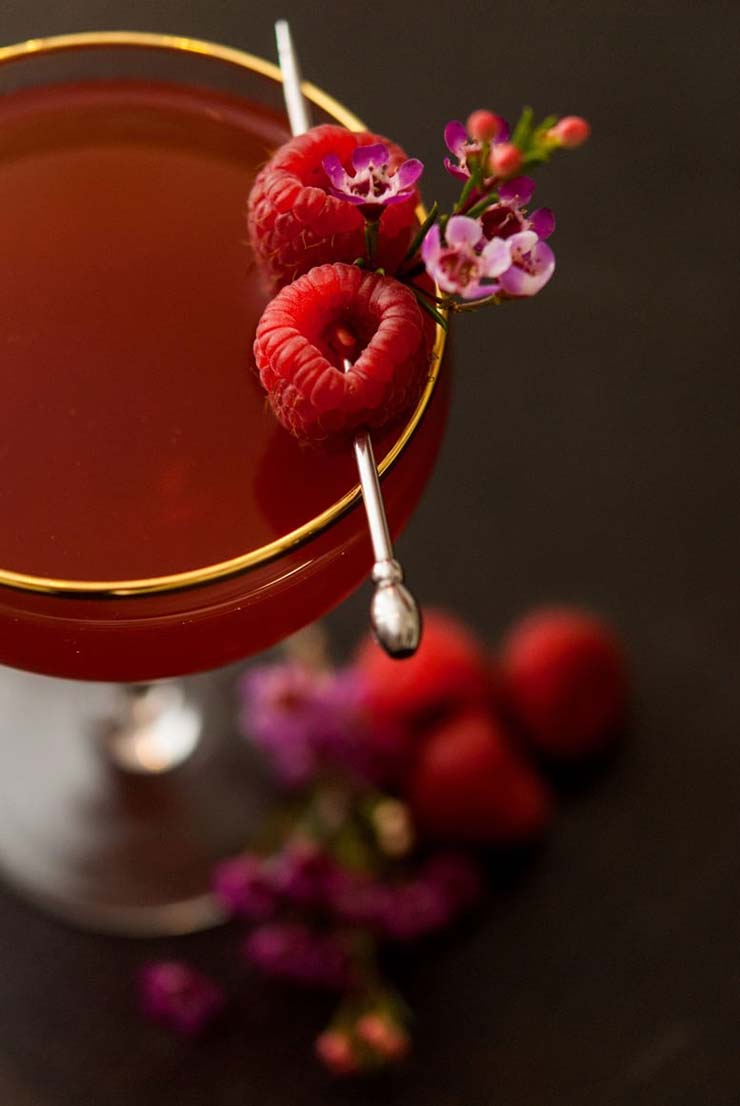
[{"x": 154, "y": 729}]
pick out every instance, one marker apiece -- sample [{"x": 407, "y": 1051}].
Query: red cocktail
[{"x": 156, "y": 519}]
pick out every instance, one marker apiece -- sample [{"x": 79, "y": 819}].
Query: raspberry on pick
[
  {"x": 564, "y": 681},
  {"x": 296, "y": 222},
  {"x": 333, "y": 312}
]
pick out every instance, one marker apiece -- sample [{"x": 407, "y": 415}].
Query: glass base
[{"x": 116, "y": 850}]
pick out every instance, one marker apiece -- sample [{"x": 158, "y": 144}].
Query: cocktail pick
[{"x": 394, "y": 613}]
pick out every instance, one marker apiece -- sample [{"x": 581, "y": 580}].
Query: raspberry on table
[
  {"x": 447, "y": 671},
  {"x": 334, "y": 312},
  {"x": 294, "y": 221},
  {"x": 470, "y": 784},
  {"x": 564, "y": 681}
]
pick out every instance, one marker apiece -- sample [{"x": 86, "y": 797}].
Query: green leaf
[
  {"x": 523, "y": 129},
  {"x": 544, "y": 126}
]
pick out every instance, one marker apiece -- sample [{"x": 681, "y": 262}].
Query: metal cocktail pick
[{"x": 394, "y": 614}]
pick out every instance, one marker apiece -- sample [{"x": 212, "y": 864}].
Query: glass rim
[{"x": 271, "y": 551}]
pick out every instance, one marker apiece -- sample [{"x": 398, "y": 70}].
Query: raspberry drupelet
[
  {"x": 295, "y": 223},
  {"x": 332, "y": 313}
]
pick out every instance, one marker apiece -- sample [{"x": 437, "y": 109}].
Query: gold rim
[{"x": 266, "y": 553}]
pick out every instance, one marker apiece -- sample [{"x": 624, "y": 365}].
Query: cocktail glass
[{"x": 157, "y": 520}]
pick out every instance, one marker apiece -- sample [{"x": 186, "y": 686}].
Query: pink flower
[
  {"x": 509, "y": 215},
  {"x": 465, "y": 264},
  {"x": 533, "y": 263},
  {"x": 464, "y": 147},
  {"x": 372, "y": 184},
  {"x": 301, "y": 873},
  {"x": 244, "y": 885},
  {"x": 415, "y": 909},
  {"x": 291, "y": 951},
  {"x": 179, "y": 996}
]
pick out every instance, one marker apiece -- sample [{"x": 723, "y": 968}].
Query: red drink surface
[{"x": 135, "y": 439}]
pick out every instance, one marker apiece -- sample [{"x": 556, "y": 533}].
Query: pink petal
[
  {"x": 519, "y": 190},
  {"x": 543, "y": 222},
  {"x": 518, "y": 282},
  {"x": 364, "y": 156},
  {"x": 455, "y": 170},
  {"x": 463, "y": 231},
  {"x": 523, "y": 241},
  {"x": 496, "y": 257},
  {"x": 455, "y": 137},
  {"x": 409, "y": 173},
  {"x": 332, "y": 166},
  {"x": 430, "y": 247}
]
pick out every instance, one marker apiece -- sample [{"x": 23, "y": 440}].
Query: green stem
[
  {"x": 430, "y": 310},
  {"x": 464, "y": 195},
  {"x": 480, "y": 207},
  {"x": 473, "y": 305},
  {"x": 371, "y": 241},
  {"x": 420, "y": 234},
  {"x": 419, "y": 291}
]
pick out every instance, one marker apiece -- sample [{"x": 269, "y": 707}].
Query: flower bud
[
  {"x": 384, "y": 1036},
  {"x": 485, "y": 126},
  {"x": 334, "y": 1049},
  {"x": 570, "y": 131},
  {"x": 505, "y": 160}
]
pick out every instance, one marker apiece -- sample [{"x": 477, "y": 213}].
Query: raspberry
[
  {"x": 295, "y": 224},
  {"x": 447, "y": 671},
  {"x": 564, "y": 681},
  {"x": 332, "y": 312},
  {"x": 470, "y": 784}
]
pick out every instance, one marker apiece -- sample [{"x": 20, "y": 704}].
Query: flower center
[
  {"x": 501, "y": 221},
  {"x": 372, "y": 184},
  {"x": 459, "y": 268},
  {"x": 522, "y": 260}
]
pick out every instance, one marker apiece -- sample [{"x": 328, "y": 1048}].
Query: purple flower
[
  {"x": 301, "y": 873},
  {"x": 463, "y": 147},
  {"x": 372, "y": 184},
  {"x": 457, "y": 877},
  {"x": 466, "y": 264},
  {"x": 245, "y": 886},
  {"x": 508, "y": 216},
  {"x": 415, "y": 909},
  {"x": 293, "y": 952},
  {"x": 279, "y": 715},
  {"x": 357, "y": 899},
  {"x": 306, "y": 720},
  {"x": 533, "y": 263},
  {"x": 179, "y": 996}
]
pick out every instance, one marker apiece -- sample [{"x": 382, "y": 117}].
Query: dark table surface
[{"x": 591, "y": 458}]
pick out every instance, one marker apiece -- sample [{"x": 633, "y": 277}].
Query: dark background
[{"x": 591, "y": 458}]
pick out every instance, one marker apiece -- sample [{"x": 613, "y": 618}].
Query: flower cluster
[
  {"x": 306, "y": 720},
  {"x": 488, "y": 248},
  {"x": 369, "y": 851}
]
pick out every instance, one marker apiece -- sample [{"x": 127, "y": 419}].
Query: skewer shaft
[{"x": 394, "y": 614}]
